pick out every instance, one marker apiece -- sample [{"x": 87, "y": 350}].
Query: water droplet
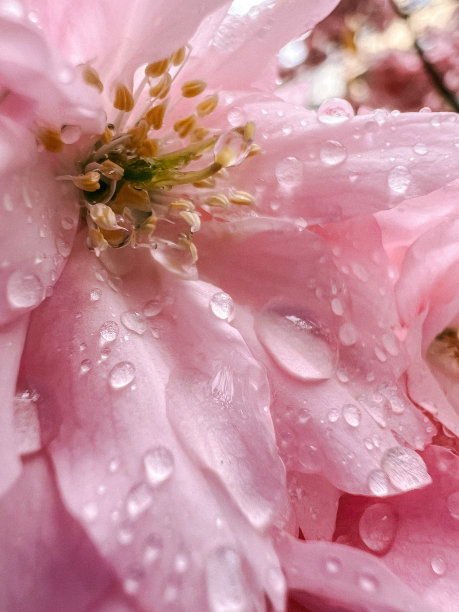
[
  {"x": 63, "y": 246},
  {"x": 333, "y": 565},
  {"x": 310, "y": 457},
  {"x": 289, "y": 172},
  {"x": 181, "y": 563},
  {"x": 221, "y": 305},
  {"x": 367, "y": 582},
  {"x": 438, "y": 566},
  {"x": 377, "y": 527},
  {"x": 125, "y": 533},
  {"x": 277, "y": 582},
  {"x": 420, "y": 148},
  {"x": 337, "y": 307},
  {"x": 378, "y": 483},
  {"x": 121, "y": 375},
  {"x": 131, "y": 583},
  {"x": 134, "y": 321},
  {"x": 236, "y": 117},
  {"x": 159, "y": 464},
  {"x": 152, "y": 308},
  {"x": 95, "y": 294},
  {"x": 378, "y": 408},
  {"x": 105, "y": 353},
  {"x": 90, "y": 512},
  {"x": 70, "y": 133},
  {"x": 24, "y": 290},
  {"x": 333, "y": 415},
  {"x": 85, "y": 366},
  {"x": 109, "y": 332},
  {"x": 226, "y": 588},
  {"x": 452, "y": 504},
  {"x": 348, "y": 334},
  {"x": 390, "y": 344},
  {"x": 296, "y": 342},
  {"x": 399, "y": 179},
  {"x": 153, "y": 548},
  {"x": 335, "y": 111},
  {"x": 8, "y": 202},
  {"x": 333, "y": 153},
  {"x": 351, "y": 414},
  {"x": 139, "y": 498},
  {"x": 405, "y": 468}
]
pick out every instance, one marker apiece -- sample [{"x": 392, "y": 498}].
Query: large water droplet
[
  {"x": 378, "y": 483},
  {"x": 70, "y": 134},
  {"x": 108, "y": 332},
  {"x": 452, "y": 504},
  {"x": 333, "y": 153},
  {"x": 121, "y": 375},
  {"x": 399, "y": 179},
  {"x": 351, "y": 414},
  {"x": 134, "y": 321},
  {"x": 24, "y": 290},
  {"x": 438, "y": 566},
  {"x": 377, "y": 527},
  {"x": 405, "y": 468},
  {"x": 221, "y": 305},
  {"x": 348, "y": 334},
  {"x": 226, "y": 588},
  {"x": 289, "y": 172},
  {"x": 298, "y": 344},
  {"x": 152, "y": 308},
  {"x": 335, "y": 111},
  {"x": 139, "y": 499},
  {"x": 159, "y": 464}
]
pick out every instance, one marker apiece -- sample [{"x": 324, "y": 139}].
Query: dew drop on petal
[
  {"x": 348, "y": 334},
  {"x": 139, "y": 499},
  {"x": 70, "y": 134},
  {"x": 377, "y": 527},
  {"x": 378, "y": 483},
  {"x": 24, "y": 290},
  {"x": 333, "y": 565},
  {"x": 335, "y": 111},
  {"x": 289, "y": 172},
  {"x": 405, "y": 468},
  {"x": 121, "y": 375},
  {"x": 152, "y": 308},
  {"x": 452, "y": 504},
  {"x": 90, "y": 512},
  {"x": 221, "y": 305},
  {"x": 399, "y": 179},
  {"x": 420, "y": 148},
  {"x": 85, "y": 366},
  {"x": 159, "y": 464},
  {"x": 108, "y": 332},
  {"x": 226, "y": 588},
  {"x": 299, "y": 345},
  {"x": 125, "y": 533},
  {"x": 333, "y": 415},
  {"x": 134, "y": 321},
  {"x": 351, "y": 414},
  {"x": 367, "y": 582},
  {"x": 153, "y": 547},
  {"x": 95, "y": 294},
  {"x": 438, "y": 566},
  {"x": 333, "y": 153}
]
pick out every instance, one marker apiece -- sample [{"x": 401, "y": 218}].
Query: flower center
[{"x": 156, "y": 170}]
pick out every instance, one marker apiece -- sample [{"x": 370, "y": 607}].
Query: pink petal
[
  {"x": 47, "y": 562},
  {"x": 161, "y": 439},
  {"x": 326, "y": 328}
]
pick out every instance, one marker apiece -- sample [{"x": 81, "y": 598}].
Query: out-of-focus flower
[{"x": 177, "y": 434}]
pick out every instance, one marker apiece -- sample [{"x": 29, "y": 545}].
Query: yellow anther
[
  {"x": 199, "y": 133},
  {"x": 207, "y": 183},
  {"x": 103, "y": 216},
  {"x": 218, "y": 199},
  {"x": 50, "y": 139},
  {"x": 181, "y": 205},
  {"x": 149, "y": 225},
  {"x": 178, "y": 56},
  {"x": 91, "y": 77},
  {"x": 155, "y": 116},
  {"x": 162, "y": 87},
  {"x": 138, "y": 133},
  {"x": 111, "y": 170},
  {"x": 249, "y": 131},
  {"x": 88, "y": 181},
  {"x": 254, "y": 150},
  {"x": 207, "y": 106},
  {"x": 184, "y": 126},
  {"x": 117, "y": 237},
  {"x": 193, "y": 220},
  {"x": 96, "y": 239},
  {"x": 156, "y": 69},
  {"x": 243, "y": 198},
  {"x": 107, "y": 136},
  {"x": 124, "y": 100},
  {"x": 148, "y": 148},
  {"x": 226, "y": 156},
  {"x": 130, "y": 197},
  {"x": 187, "y": 243},
  {"x": 193, "y": 88}
]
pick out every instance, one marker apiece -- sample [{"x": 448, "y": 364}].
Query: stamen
[
  {"x": 162, "y": 87},
  {"x": 193, "y": 220},
  {"x": 226, "y": 156},
  {"x": 103, "y": 216},
  {"x": 124, "y": 100},
  {"x": 193, "y": 88},
  {"x": 207, "y": 106},
  {"x": 155, "y": 116},
  {"x": 91, "y": 77},
  {"x": 156, "y": 69},
  {"x": 199, "y": 133},
  {"x": 249, "y": 131},
  {"x": 148, "y": 148},
  {"x": 130, "y": 197},
  {"x": 96, "y": 239},
  {"x": 50, "y": 139},
  {"x": 110, "y": 170},
  {"x": 184, "y": 126},
  {"x": 207, "y": 183},
  {"x": 243, "y": 198},
  {"x": 178, "y": 56},
  {"x": 86, "y": 182},
  {"x": 218, "y": 199},
  {"x": 181, "y": 205},
  {"x": 107, "y": 136},
  {"x": 254, "y": 150}
]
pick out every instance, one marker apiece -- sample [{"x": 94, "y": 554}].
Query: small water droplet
[
  {"x": 348, "y": 334},
  {"x": 226, "y": 587},
  {"x": 351, "y": 414},
  {"x": 152, "y": 308},
  {"x": 333, "y": 415},
  {"x": 377, "y": 527},
  {"x": 109, "y": 332},
  {"x": 289, "y": 172},
  {"x": 95, "y": 294},
  {"x": 159, "y": 464},
  {"x": 405, "y": 468},
  {"x": 221, "y": 305},
  {"x": 367, "y": 582},
  {"x": 24, "y": 290},
  {"x": 420, "y": 148},
  {"x": 153, "y": 548},
  {"x": 333, "y": 153},
  {"x": 114, "y": 465},
  {"x": 337, "y": 307},
  {"x": 298, "y": 344},
  {"x": 452, "y": 504},
  {"x": 181, "y": 563},
  {"x": 85, "y": 366},
  {"x": 125, "y": 533},
  {"x": 378, "y": 407},
  {"x": 335, "y": 111},
  {"x": 121, "y": 375},
  {"x": 90, "y": 512},
  {"x": 399, "y": 179},
  {"x": 134, "y": 321},
  {"x": 131, "y": 583},
  {"x": 378, "y": 483},
  {"x": 70, "y": 133},
  {"x": 438, "y": 566},
  {"x": 333, "y": 565},
  {"x": 139, "y": 499}
]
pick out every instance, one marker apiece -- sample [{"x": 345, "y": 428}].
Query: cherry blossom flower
[{"x": 166, "y": 437}]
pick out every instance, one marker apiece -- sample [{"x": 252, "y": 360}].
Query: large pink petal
[
  {"x": 323, "y": 309},
  {"x": 47, "y": 563},
  {"x": 160, "y": 433}
]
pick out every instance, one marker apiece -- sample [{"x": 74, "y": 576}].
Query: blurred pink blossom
[{"x": 169, "y": 443}]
